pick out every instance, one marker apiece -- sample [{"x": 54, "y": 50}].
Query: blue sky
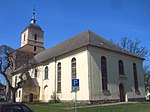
[{"x": 62, "y": 19}]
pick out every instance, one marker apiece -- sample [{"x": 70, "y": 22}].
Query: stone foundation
[
  {"x": 137, "y": 99},
  {"x": 104, "y": 101},
  {"x": 98, "y": 101}
]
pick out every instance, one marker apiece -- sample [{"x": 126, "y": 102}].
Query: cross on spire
[{"x": 33, "y": 20}]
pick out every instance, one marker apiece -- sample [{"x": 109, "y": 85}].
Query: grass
[{"x": 68, "y": 107}]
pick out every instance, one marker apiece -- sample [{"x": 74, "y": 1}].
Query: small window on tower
[
  {"x": 35, "y": 37},
  {"x": 34, "y": 48},
  {"x": 24, "y": 38}
]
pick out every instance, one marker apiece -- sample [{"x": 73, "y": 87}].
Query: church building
[{"x": 106, "y": 72}]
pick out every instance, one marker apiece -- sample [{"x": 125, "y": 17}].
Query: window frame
[
  {"x": 35, "y": 73},
  {"x": 46, "y": 73},
  {"x": 136, "y": 86},
  {"x": 16, "y": 80},
  {"x": 59, "y": 77},
  {"x": 24, "y": 37},
  {"x": 35, "y": 48},
  {"x": 104, "y": 73},
  {"x": 73, "y": 68},
  {"x": 35, "y": 37},
  {"x": 121, "y": 67}
]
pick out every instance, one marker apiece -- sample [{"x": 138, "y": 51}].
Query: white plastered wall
[
  {"x": 49, "y": 87},
  {"x": 96, "y": 92},
  {"x": 82, "y": 75}
]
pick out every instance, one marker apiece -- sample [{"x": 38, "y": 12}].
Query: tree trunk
[
  {"x": 8, "y": 95},
  {"x": 13, "y": 96}
]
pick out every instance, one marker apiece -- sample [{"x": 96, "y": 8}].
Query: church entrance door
[
  {"x": 30, "y": 97},
  {"x": 122, "y": 93},
  {"x": 46, "y": 94}
]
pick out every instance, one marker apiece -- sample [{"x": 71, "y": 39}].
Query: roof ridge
[
  {"x": 88, "y": 31},
  {"x": 106, "y": 43},
  {"x": 83, "y": 39}
]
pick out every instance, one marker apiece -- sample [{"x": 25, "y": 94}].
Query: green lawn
[{"x": 68, "y": 107}]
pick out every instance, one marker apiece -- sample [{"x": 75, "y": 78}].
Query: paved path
[{"x": 108, "y": 104}]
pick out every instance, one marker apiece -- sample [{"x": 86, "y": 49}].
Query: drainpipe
[
  {"x": 42, "y": 84},
  {"x": 89, "y": 73},
  {"x": 55, "y": 80}
]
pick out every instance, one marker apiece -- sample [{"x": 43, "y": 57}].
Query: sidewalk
[{"x": 108, "y": 104}]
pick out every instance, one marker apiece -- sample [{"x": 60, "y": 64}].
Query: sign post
[{"x": 75, "y": 88}]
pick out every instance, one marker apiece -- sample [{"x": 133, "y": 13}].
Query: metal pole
[{"x": 75, "y": 105}]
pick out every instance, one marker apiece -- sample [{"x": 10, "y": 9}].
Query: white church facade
[{"x": 107, "y": 73}]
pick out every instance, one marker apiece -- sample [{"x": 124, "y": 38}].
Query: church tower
[{"x": 32, "y": 37}]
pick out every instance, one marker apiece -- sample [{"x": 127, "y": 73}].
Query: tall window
[
  {"x": 35, "y": 37},
  {"x": 15, "y": 80},
  {"x": 34, "y": 48},
  {"x": 35, "y": 73},
  {"x": 59, "y": 77},
  {"x": 24, "y": 38},
  {"x": 121, "y": 67},
  {"x": 135, "y": 76},
  {"x": 73, "y": 68},
  {"x": 46, "y": 72},
  {"x": 19, "y": 93},
  {"x": 104, "y": 72}
]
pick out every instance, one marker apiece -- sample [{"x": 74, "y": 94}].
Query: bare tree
[
  {"x": 134, "y": 46},
  {"x": 147, "y": 74},
  {"x": 7, "y": 63},
  {"x": 147, "y": 78}
]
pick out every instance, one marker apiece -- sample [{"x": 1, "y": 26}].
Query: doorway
[
  {"x": 30, "y": 97},
  {"x": 122, "y": 93}
]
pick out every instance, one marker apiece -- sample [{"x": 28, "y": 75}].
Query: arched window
[
  {"x": 45, "y": 86},
  {"x": 121, "y": 67},
  {"x": 15, "y": 80},
  {"x": 24, "y": 38},
  {"x": 26, "y": 76},
  {"x": 59, "y": 77},
  {"x": 73, "y": 68},
  {"x": 135, "y": 76},
  {"x": 19, "y": 93},
  {"x": 46, "y": 72},
  {"x": 35, "y": 37},
  {"x": 104, "y": 72},
  {"x": 35, "y": 73},
  {"x": 34, "y": 48}
]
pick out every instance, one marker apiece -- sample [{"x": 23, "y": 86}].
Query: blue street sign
[{"x": 75, "y": 84}]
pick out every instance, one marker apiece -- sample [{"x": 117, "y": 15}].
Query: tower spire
[{"x": 33, "y": 20}]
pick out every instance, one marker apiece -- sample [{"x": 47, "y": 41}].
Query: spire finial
[{"x": 33, "y": 20}]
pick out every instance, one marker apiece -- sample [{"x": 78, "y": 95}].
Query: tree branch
[{"x": 1, "y": 66}]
